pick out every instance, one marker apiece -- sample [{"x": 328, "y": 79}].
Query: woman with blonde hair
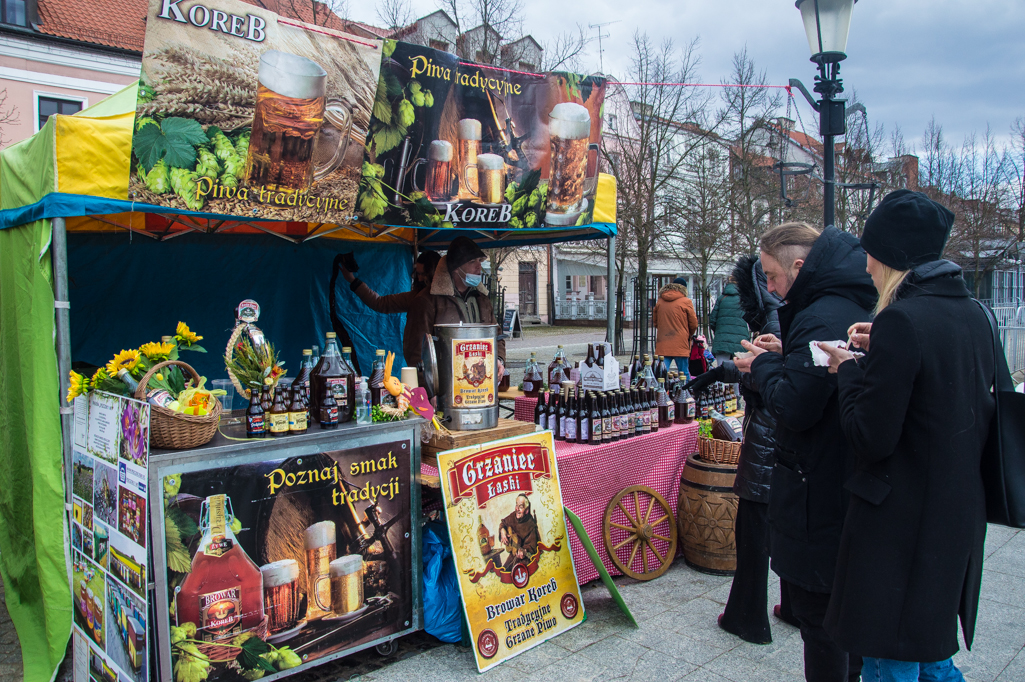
[{"x": 916, "y": 410}]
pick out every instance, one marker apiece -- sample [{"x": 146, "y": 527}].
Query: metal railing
[
  {"x": 577, "y": 308},
  {"x": 1010, "y": 316},
  {"x": 1013, "y": 339}
]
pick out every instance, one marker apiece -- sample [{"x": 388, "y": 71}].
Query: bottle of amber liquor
[{"x": 223, "y": 594}]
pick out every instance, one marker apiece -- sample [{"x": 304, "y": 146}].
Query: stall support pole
[
  {"x": 610, "y": 295},
  {"x": 62, "y": 316}
]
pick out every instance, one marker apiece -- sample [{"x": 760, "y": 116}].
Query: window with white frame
[{"x": 47, "y": 106}]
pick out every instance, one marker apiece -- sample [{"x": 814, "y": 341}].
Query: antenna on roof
[{"x": 601, "y": 64}]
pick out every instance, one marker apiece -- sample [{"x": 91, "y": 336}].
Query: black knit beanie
[
  {"x": 907, "y": 229},
  {"x": 461, "y": 251}
]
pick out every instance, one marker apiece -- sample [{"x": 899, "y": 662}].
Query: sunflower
[
  {"x": 186, "y": 335},
  {"x": 156, "y": 351},
  {"x": 79, "y": 385},
  {"x": 126, "y": 359},
  {"x": 98, "y": 376}
]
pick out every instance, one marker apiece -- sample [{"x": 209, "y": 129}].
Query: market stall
[{"x": 84, "y": 265}]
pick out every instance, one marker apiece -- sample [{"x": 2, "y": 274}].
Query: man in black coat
[{"x": 823, "y": 281}]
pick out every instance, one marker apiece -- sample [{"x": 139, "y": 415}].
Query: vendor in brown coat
[
  {"x": 676, "y": 322},
  {"x": 456, "y": 295},
  {"x": 518, "y": 531},
  {"x": 403, "y": 302}
]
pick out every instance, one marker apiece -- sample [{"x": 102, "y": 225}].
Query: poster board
[
  {"x": 109, "y": 558},
  {"x": 321, "y": 541},
  {"x": 244, "y": 112},
  {"x": 509, "y": 540}
]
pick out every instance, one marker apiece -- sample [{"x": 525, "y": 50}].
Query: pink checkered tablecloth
[
  {"x": 524, "y": 409},
  {"x": 592, "y": 475}
]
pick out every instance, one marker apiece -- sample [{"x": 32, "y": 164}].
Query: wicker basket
[
  {"x": 226, "y": 654},
  {"x": 718, "y": 451},
  {"x": 174, "y": 430}
]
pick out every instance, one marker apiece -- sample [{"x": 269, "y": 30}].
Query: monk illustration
[{"x": 518, "y": 532}]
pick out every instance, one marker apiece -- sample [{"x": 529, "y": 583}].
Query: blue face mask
[{"x": 472, "y": 280}]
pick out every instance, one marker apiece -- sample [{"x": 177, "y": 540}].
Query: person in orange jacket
[{"x": 676, "y": 322}]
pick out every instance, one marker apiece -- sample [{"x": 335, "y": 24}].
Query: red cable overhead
[{"x": 333, "y": 34}]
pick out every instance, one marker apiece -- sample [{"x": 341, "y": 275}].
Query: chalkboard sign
[{"x": 511, "y": 323}]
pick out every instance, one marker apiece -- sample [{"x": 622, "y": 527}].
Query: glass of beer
[
  {"x": 491, "y": 178},
  {"x": 281, "y": 596},
  {"x": 569, "y": 130},
  {"x": 438, "y": 185},
  {"x": 347, "y": 584},
  {"x": 290, "y": 112},
  {"x": 333, "y": 141},
  {"x": 469, "y": 148},
  {"x": 321, "y": 550}
]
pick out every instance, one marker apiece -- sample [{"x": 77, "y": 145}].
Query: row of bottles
[
  {"x": 326, "y": 391},
  {"x": 659, "y": 368},
  {"x": 596, "y": 417},
  {"x": 719, "y": 397}
]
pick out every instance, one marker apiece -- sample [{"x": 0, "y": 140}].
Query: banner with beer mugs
[
  {"x": 505, "y": 518},
  {"x": 454, "y": 144},
  {"x": 242, "y": 112},
  {"x": 283, "y": 562}
]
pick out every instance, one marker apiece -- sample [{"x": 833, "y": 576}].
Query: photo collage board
[{"x": 109, "y": 556}]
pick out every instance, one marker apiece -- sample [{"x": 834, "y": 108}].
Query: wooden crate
[{"x": 506, "y": 428}]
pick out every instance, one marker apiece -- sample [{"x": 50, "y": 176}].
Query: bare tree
[
  {"x": 395, "y": 13},
  {"x": 495, "y": 18},
  {"x": 748, "y": 114},
  {"x": 649, "y": 152},
  {"x": 563, "y": 52},
  {"x": 856, "y": 161},
  {"x": 1014, "y": 170},
  {"x": 8, "y": 116}
]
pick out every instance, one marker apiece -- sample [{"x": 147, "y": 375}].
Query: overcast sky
[{"x": 962, "y": 61}]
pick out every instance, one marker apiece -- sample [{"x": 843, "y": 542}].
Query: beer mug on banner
[
  {"x": 281, "y": 595},
  {"x": 291, "y": 109},
  {"x": 469, "y": 148},
  {"x": 491, "y": 179},
  {"x": 347, "y": 584},
  {"x": 569, "y": 130},
  {"x": 438, "y": 185}
]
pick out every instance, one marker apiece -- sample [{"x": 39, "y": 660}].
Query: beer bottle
[
  {"x": 601, "y": 356},
  {"x": 647, "y": 380},
  {"x": 610, "y": 397},
  {"x": 533, "y": 382},
  {"x": 555, "y": 415},
  {"x": 596, "y": 420},
  {"x": 377, "y": 378},
  {"x": 305, "y": 369},
  {"x": 255, "y": 426},
  {"x": 635, "y": 369},
  {"x": 328, "y": 407},
  {"x": 725, "y": 428},
  {"x": 569, "y": 420},
  {"x": 664, "y": 406},
  {"x": 541, "y": 411},
  {"x": 584, "y": 419},
  {"x": 333, "y": 371},
  {"x": 266, "y": 400},
  {"x": 606, "y": 420},
  {"x": 629, "y": 415},
  {"x": 279, "y": 413},
  {"x": 297, "y": 416},
  {"x": 684, "y": 404},
  {"x": 315, "y": 355},
  {"x": 589, "y": 361}
]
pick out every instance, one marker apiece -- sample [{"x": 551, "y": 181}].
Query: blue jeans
[
  {"x": 886, "y": 670},
  {"x": 682, "y": 365}
]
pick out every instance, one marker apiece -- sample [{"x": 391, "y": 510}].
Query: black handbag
[{"x": 1003, "y": 458}]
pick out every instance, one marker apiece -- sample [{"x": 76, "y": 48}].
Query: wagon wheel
[{"x": 640, "y": 532}]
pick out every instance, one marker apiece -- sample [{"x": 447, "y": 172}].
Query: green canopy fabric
[{"x": 32, "y": 525}]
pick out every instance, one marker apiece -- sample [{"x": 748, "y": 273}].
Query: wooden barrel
[{"x": 706, "y": 513}]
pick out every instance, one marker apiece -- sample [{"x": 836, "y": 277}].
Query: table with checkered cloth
[
  {"x": 524, "y": 408},
  {"x": 592, "y": 475}
]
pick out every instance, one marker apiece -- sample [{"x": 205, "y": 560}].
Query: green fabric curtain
[{"x": 32, "y": 518}]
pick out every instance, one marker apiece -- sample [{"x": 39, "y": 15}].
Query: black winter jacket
[
  {"x": 916, "y": 411},
  {"x": 807, "y": 505},
  {"x": 757, "y": 454}
]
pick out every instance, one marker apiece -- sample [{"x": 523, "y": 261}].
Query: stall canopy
[{"x": 127, "y": 285}]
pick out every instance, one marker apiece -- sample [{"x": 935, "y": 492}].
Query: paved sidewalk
[{"x": 678, "y": 638}]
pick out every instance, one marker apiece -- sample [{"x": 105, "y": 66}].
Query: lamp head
[{"x": 827, "y": 24}]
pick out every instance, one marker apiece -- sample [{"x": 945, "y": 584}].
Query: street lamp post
[{"x": 827, "y": 23}]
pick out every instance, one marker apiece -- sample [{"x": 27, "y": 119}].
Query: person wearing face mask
[
  {"x": 456, "y": 295},
  {"x": 403, "y": 302}
]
